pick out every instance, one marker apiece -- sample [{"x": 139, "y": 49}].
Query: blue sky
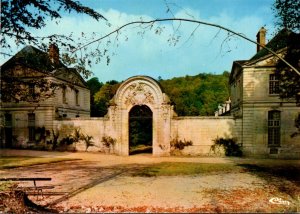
[{"x": 152, "y": 55}]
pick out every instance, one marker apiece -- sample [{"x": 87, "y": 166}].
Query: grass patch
[
  {"x": 6, "y": 186},
  {"x": 20, "y": 161},
  {"x": 173, "y": 169}
]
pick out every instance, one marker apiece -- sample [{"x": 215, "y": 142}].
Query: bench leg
[{"x": 38, "y": 193}]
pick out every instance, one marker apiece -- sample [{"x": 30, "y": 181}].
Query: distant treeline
[{"x": 190, "y": 95}]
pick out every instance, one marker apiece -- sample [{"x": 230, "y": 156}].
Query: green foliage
[
  {"x": 94, "y": 85},
  {"x": 66, "y": 141},
  {"x": 287, "y": 14},
  {"x": 191, "y": 95},
  {"x": 18, "y": 18},
  {"x": 77, "y": 135},
  {"x": 197, "y": 95},
  {"x": 230, "y": 146},
  {"x": 104, "y": 95},
  {"x": 88, "y": 141},
  {"x": 175, "y": 169},
  {"x": 108, "y": 141},
  {"x": 297, "y": 125},
  {"x": 289, "y": 80},
  {"x": 140, "y": 126},
  {"x": 180, "y": 144},
  {"x": 54, "y": 142}
]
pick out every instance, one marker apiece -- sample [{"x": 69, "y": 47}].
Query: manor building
[
  {"x": 266, "y": 122},
  {"x": 20, "y": 120}
]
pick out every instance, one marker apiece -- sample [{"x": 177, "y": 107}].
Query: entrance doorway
[{"x": 140, "y": 130}]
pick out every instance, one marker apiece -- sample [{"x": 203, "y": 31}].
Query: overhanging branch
[{"x": 192, "y": 21}]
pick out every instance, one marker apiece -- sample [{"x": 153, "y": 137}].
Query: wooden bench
[{"x": 33, "y": 190}]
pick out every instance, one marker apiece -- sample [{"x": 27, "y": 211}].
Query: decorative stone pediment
[
  {"x": 138, "y": 94},
  {"x": 139, "y": 90}
]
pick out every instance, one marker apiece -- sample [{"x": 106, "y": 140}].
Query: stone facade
[{"x": 267, "y": 120}]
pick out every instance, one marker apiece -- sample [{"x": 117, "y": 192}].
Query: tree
[
  {"x": 288, "y": 17},
  {"x": 290, "y": 81},
  {"x": 287, "y": 14},
  {"x": 104, "y": 95},
  {"x": 20, "y": 17},
  {"x": 94, "y": 85}
]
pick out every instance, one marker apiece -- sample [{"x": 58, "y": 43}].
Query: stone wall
[
  {"x": 95, "y": 127},
  {"x": 200, "y": 130}
]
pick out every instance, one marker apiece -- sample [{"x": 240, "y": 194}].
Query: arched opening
[{"x": 140, "y": 130}]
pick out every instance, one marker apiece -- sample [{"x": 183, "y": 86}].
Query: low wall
[
  {"x": 95, "y": 127},
  {"x": 202, "y": 131}
]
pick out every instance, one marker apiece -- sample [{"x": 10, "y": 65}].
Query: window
[
  {"x": 31, "y": 89},
  {"x": 31, "y": 126},
  {"x": 64, "y": 97},
  {"x": 8, "y": 133},
  {"x": 77, "y": 97},
  {"x": 274, "y": 128},
  {"x": 8, "y": 120},
  {"x": 273, "y": 84}
]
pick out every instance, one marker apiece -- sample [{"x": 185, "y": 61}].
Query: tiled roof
[{"x": 33, "y": 58}]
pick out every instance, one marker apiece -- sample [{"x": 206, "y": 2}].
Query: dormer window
[{"x": 273, "y": 84}]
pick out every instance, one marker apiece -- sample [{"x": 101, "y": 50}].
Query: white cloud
[{"x": 152, "y": 55}]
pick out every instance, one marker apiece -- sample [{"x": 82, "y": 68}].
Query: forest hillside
[{"x": 190, "y": 95}]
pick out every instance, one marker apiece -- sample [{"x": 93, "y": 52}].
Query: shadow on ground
[{"x": 286, "y": 178}]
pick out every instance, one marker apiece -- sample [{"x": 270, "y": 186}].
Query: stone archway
[{"x": 138, "y": 91}]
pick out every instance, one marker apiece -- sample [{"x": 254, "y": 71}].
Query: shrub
[
  {"x": 108, "y": 141},
  {"x": 179, "y": 144},
  {"x": 230, "y": 146},
  {"x": 66, "y": 141},
  {"x": 88, "y": 141}
]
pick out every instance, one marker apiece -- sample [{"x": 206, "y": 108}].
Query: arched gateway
[{"x": 141, "y": 91}]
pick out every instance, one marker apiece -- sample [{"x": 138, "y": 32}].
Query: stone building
[
  {"x": 21, "y": 119},
  {"x": 266, "y": 122}
]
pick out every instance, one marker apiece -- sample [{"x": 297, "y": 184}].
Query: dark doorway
[{"x": 140, "y": 130}]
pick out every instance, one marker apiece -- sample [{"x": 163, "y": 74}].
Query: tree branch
[{"x": 192, "y": 21}]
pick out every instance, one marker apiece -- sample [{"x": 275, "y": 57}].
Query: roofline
[{"x": 250, "y": 62}]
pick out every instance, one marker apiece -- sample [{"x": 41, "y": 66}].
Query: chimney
[
  {"x": 54, "y": 53},
  {"x": 261, "y": 38}
]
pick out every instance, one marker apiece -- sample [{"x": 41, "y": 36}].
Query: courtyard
[{"x": 95, "y": 182}]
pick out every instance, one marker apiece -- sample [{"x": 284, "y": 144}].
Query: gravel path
[{"x": 231, "y": 191}]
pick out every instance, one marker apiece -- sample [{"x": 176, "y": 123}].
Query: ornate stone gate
[{"x": 141, "y": 90}]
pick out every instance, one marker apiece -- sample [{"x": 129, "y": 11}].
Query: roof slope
[
  {"x": 34, "y": 58},
  {"x": 278, "y": 42},
  {"x": 38, "y": 60}
]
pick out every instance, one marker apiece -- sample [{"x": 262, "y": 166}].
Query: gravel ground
[{"x": 103, "y": 183}]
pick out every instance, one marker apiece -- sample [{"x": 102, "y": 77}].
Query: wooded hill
[{"x": 190, "y": 95}]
